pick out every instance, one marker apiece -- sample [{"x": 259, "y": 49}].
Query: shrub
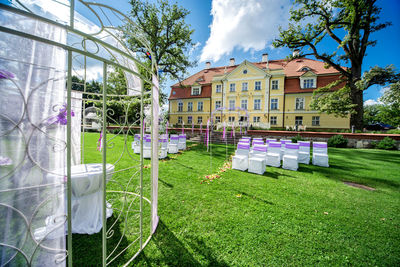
[
  {"x": 297, "y": 138},
  {"x": 393, "y": 131},
  {"x": 386, "y": 143},
  {"x": 337, "y": 141}
]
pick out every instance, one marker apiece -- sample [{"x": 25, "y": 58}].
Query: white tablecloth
[{"x": 87, "y": 199}]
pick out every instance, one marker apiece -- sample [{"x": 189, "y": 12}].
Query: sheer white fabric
[{"x": 32, "y": 136}]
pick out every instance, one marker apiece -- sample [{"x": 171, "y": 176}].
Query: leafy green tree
[
  {"x": 169, "y": 37},
  {"x": 349, "y": 23},
  {"x": 392, "y": 95},
  {"x": 382, "y": 113}
]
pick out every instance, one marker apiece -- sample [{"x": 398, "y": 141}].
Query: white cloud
[
  {"x": 246, "y": 25},
  {"x": 92, "y": 73},
  {"x": 370, "y": 102}
]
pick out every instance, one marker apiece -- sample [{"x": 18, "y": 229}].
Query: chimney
[
  {"x": 265, "y": 57},
  {"x": 296, "y": 53},
  {"x": 208, "y": 64},
  {"x": 232, "y": 62}
]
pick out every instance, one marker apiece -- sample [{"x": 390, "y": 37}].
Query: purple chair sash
[
  {"x": 243, "y": 146},
  {"x": 260, "y": 148},
  {"x": 174, "y": 138},
  {"x": 162, "y": 140},
  {"x": 323, "y": 145},
  {"x": 274, "y": 144},
  {"x": 182, "y": 136},
  {"x": 305, "y": 144},
  {"x": 283, "y": 142},
  {"x": 147, "y": 139},
  {"x": 258, "y": 142},
  {"x": 292, "y": 146}
]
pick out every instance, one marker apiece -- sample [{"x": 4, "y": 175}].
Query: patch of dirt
[{"x": 360, "y": 186}]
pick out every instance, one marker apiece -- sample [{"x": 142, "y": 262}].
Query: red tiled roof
[
  {"x": 291, "y": 69},
  {"x": 292, "y": 85},
  {"x": 185, "y": 92}
]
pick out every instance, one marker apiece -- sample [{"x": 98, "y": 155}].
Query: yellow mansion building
[{"x": 266, "y": 94}]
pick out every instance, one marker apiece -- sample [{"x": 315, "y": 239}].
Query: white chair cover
[
  {"x": 182, "y": 142},
  {"x": 290, "y": 158},
  {"x": 147, "y": 147},
  {"x": 163, "y": 149},
  {"x": 274, "y": 154},
  {"x": 320, "y": 154},
  {"x": 257, "y": 159},
  {"x": 173, "y": 144},
  {"x": 304, "y": 152},
  {"x": 241, "y": 159},
  {"x": 136, "y": 144}
]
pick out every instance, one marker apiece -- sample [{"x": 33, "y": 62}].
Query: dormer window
[
  {"x": 308, "y": 83},
  {"x": 305, "y": 69},
  {"x": 196, "y": 90},
  {"x": 244, "y": 71}
]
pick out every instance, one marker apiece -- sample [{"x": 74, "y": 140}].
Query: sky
[{"x": 245, "y": 29}]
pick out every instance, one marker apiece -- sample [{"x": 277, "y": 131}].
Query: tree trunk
[
  {"x": 356, "y": 118},
  {"x": 356, "y": 96}
]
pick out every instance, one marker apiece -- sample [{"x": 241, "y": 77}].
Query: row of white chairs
[
  {"x": 171, "y": 146},
  {"x": 255, "y": 158}
]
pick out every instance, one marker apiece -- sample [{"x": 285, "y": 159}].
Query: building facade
[{"x": 266, "y": 94}]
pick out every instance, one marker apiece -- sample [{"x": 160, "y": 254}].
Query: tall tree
[
  {"x": 349, "y": 23},
  {"x": 168, "y": 35}
]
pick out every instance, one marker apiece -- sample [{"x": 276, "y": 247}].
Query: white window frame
[
  {"x": 258, "y": 105},
  {"x": 180, "y": 119},
  {"x": 297, "y": 103},
  {"x": 196, "y": 88},
  {"x": 190, "y": 106},
  {"x": 199, "y": 119},
  {"x": 180, "y": 106},
  {"x": 232, "y": 87},
  {"x": 243, "y": 104},
  {"x": 217, "y": 119},
  {"x": 273, "y": 120},
  {"x": 190, "y": 119},
  {"x": 245, "y": 86},
  {"x": 200, "y": 104},
  {"x": 257, "y": 85},
  {"x": 218, "y": 88},
  {"x": 316, "y": 120},
  {"x": 256, "y": 119},
  {"x": 304, "y": 79},
  {"x": 218, "y": 104},
  {"x": 277, "y": 104},
  {"x": 274, "y": 84},
  {"x": 231, "y": 118},
  {"x": 232, "y": 106}
]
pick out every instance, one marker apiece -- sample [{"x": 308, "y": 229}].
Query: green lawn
[{"x": 308, "y": 217}]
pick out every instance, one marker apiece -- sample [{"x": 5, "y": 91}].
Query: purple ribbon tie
[
  {"x": 320, "y": 145},
  {"x": 243, "y": 146},
  {"x": 274, "y": 144},
  {"x": 305, "y": 144},
  {"x": 291, "y": 146}
]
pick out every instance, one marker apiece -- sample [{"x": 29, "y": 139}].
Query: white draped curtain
[{"x": 32, "y": 144}]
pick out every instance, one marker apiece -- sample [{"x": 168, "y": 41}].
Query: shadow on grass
[
  {"x": 257, "y": 198},
  {"x": 165, "y": 183},
  {"x": 344, "y": 166},
  {"x": 174, "y": 252}
]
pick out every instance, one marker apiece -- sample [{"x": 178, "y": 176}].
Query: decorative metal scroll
[{"x": 40, "y": 149}]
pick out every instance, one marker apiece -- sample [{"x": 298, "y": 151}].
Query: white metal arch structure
[{"x": 47, "y": 49}]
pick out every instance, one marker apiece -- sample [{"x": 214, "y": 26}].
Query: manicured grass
[{"x": 308, "y": 217}]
